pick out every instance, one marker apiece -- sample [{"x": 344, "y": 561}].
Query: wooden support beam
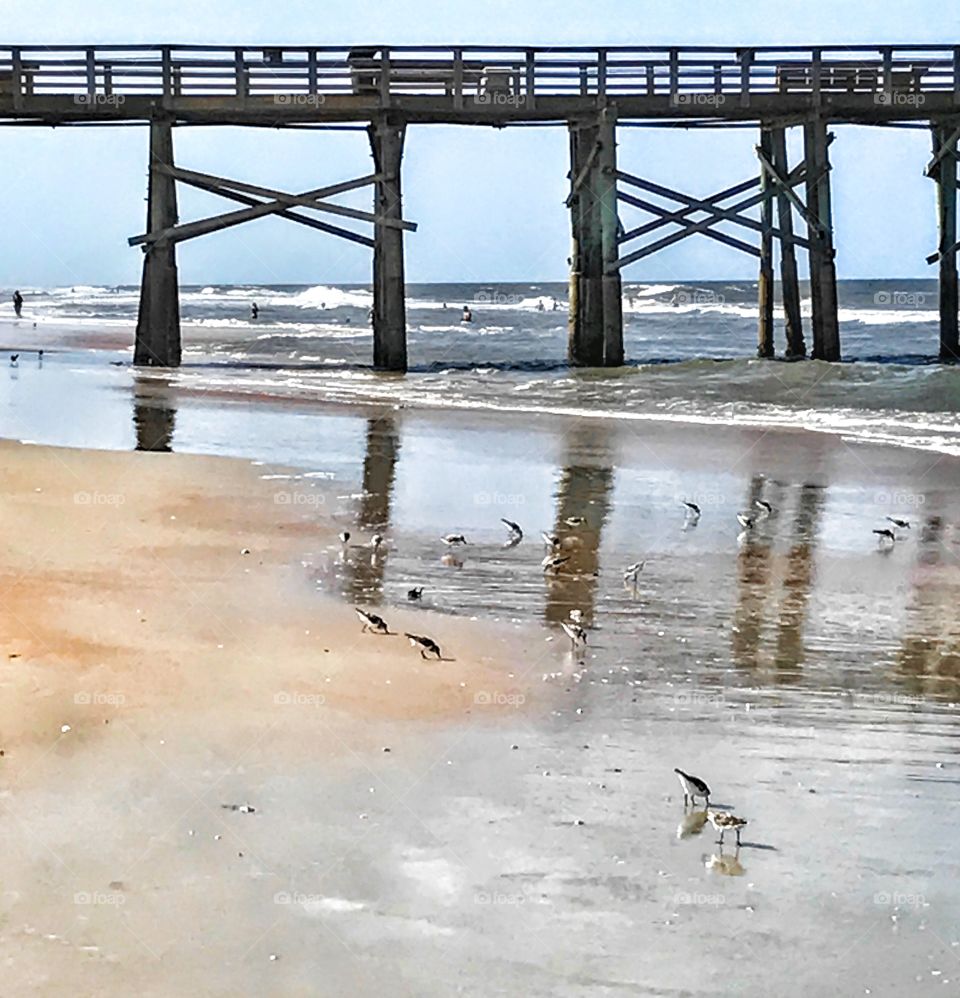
[
  {"x": 789, "y": 283},
  {"x": 278, "y": 201},
  {"x": 389, "y": 303},
  {"x": 158, "y": 321},
  {"x": 945, "y": 175},
  {"x": 765, "y": 278},
  {"x": 823, "y": 272},
  {"x": 612, "y": 289},
  {"x": 292, "y": 216},
  {"x": 585, "y": 333}
]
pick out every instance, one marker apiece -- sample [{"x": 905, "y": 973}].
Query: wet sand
[{"x": 525, "y": 834}]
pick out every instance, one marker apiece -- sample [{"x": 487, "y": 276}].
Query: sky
[{"x": 489, "y": 203}]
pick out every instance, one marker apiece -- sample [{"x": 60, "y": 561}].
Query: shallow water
[{"x": 807, "y": 672}]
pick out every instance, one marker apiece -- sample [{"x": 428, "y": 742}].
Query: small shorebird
[
  {"x": 885, "y": 534},
  {"x": 552, "y": 541},
  {"x": 14, "y": 357},
  {"x": 371, "y": 622},
  {"x": 453, "y": 540},
  {"x": 762, "y": 504},
  {"x": 376, "y": 542},
  {"x": 425, "y": 644},
  {"x": 575, "y": 521},
  {"x": 415, "y": 594},
  {"x": 344, "y": 537},
  {"x": 576, "y": 634},
  {"x": 724, "y": 822},
  {"x": 516, "y": 533},
  {"x": 902, "y": 524},
  {"x": 693, "y": 787},
  {"x": 554, "y": 564},
  {"x": 632, "y": 572},
  {"x": 746, "y": 520},
  {"x": 693, "y": 511}
]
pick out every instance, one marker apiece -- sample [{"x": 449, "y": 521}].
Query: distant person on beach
[
  {"x": 17, "y": 303},
  {"x": 540, "y": 306},
  {"x": 254, "y": 310},
  {"x": 467, "y": 315},
  {"x": 556, "y": 305}
]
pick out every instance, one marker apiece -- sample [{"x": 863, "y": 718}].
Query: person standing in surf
[{"x": 17, "y": 302}]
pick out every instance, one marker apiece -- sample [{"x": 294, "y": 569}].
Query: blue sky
[{"x": 489, "y": 203}]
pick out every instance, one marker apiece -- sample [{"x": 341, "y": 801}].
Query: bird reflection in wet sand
[
  {"x": 726, "y": 864},
  {"x": 691, "y": 824}
]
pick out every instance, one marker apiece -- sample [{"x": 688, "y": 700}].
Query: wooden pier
[{"x": 590, "y": 91}]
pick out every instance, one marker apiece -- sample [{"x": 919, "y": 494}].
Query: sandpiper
[
  {"x": 516, "y": 533},
  {"x": 902, "y": 524},
  {"x": 551, "y": 540},
  {"x": 885, "y": 534},
  {"x": 554, "y": 564},
  {"x": 415, "y": 594},
  {"x": 724, "y": 822},
  {"x": 693, "y": 787},
  {"x": 371, "y": 622},
  {"x": 763, "y": 505},
  {"x": 425, "y": 644},
  {"x": 746, "y": 520},
  {"x": 376, "y": 542},
  {"x": 14, "y": 357},
  {"x": 632, "y": 572},
  {"x": 576, "y": 634},
  {"x": 453, "y": 540},
  {"x": 693, "y": 511},
  {"x": 345, "y": 536}
]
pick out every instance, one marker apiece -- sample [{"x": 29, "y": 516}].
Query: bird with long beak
[
  {"x": 454, "y": 540},
  {"x": 902, "y": 524},
  {"x": 631, "y": 574},
  {"x": 425, "y": 644},
  {"x": 885, "y": 535},
  {"x": 554, "y": 564},
  {"x": 371, "y": 622},
  {"x": 765, "y": 508},
  {"x": 516, "y": 532},
  {"x": 693, "y": 787},
  {"x": 693, "y": 511}
]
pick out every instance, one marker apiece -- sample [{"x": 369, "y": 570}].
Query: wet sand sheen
[{"x": 807, "y": 676}]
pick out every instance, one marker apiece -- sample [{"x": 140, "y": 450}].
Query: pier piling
[
  {"x": 789, "y": 284},
  {"x": 158, "y": 321},
  {"x": 389, "y": 308},
  {"x": 585, "y": 323},
  {"x": 765, "y": 279},
  {"x": 823, "y": 271},
  {"x": 944, "y": 173}
]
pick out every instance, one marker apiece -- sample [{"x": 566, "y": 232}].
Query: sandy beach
[{"x": 215, "y": 784}]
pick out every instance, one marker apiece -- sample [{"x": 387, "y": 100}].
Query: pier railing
[{"x": 468, "y": 75}]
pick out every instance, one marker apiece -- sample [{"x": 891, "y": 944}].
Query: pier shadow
[
  {"x": 363, "y": 568},
  {"x": 927, "y": 662},
  {"x": 154, "y": 414},
  {"x": 584, "y": 493},
  {"x": 754, "y": 573},
  {"x": 798, "y": 578}
]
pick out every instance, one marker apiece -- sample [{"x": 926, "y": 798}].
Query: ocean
[{"x": 690, "y": 351}]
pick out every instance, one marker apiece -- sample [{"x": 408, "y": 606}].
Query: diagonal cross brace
[
  {"x": 949, "y": 148},
  {"x": 715, "y": 215},
  {"x": 786, "y": 189},
  {"x": 278, "y": 202}
]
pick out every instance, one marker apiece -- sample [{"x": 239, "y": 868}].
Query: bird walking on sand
[
  {"x": 415, "y": 594},
  {"x": 371, "y": 622},
  {"x": 376, "y": 542},
  {"x": 345, "y": 536},
  {"x": 693, "y": 511},
  {"x": 425, "y": 644},
  {"x": 554, "y": 564},
  {"x": 693, "y": 787},
  {"x": 515, "y": 529},
  {"x": 453, "y": 540},
  {"x": 576, "y": 634},
  {"x": 747, "y": 520},
  {"x": 14, "y": 357},
  {"x": 884, "y": 534},
  {"x": 765, "y": 507},
  {"x": 631, "y": 573},
  {"x": 725, "y": 822},
  {"x": 902, "y": 524}
]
